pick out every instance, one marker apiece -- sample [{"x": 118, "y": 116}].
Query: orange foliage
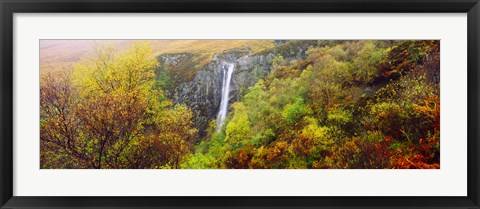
[
  {"x": 425, "y": 155},
  {"x": 240, "y": 159}
]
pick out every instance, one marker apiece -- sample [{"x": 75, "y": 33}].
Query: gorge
[{"x": 202, "y": 87}]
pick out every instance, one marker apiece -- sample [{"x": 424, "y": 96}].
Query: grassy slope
[{"x": 62, "y": 54}]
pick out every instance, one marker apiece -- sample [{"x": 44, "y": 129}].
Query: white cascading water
[{"x": 222, "y": 113}]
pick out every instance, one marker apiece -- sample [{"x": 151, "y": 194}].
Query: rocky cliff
[{"x": 200, "y": 86}]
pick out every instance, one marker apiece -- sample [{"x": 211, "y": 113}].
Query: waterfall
[{"x": 222, "y": 112}]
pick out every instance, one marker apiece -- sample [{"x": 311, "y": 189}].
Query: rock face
[
  {"x": 202, "y": 92},
  {"x": 279, "y": 42}
]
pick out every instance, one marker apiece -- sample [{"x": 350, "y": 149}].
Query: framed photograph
[{"x": 239, "y": 104}]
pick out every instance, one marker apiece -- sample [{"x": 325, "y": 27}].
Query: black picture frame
[{"x": 9, "y": 7}]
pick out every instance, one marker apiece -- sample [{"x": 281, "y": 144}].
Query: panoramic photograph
[{"x": 239, "y": 104}]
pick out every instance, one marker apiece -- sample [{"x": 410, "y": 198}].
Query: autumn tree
[
  {"x": 118, "y": 113},
  {"x": 59, "y": 142}
]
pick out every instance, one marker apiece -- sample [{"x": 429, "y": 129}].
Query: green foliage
[
  {"x": 340, "y": 117},
  {"x": 367, "y": 61},
  {"x": 292, "y": 113},
  {"x": 335, "y": 109},
  {"x": 164, "y": 79},
  {"x": 278, "y": 60},
  {"x": 238, "y": 129}
]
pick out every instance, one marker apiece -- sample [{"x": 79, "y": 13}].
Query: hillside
[
  {"x": 241, "y": 104},
  {"x": 63, "y": 54}
]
